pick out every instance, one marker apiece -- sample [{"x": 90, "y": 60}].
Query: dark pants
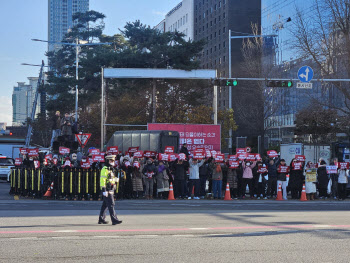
[
  {"x": 179, "y": 188},
  {"x": 234, "y": 192},
  {"x": 296, "y": 193},
  {"x": 249, "y": 182},
  {"x": 262, "y": 189},
  {"x": 322, "y": 192},
  {"x": 217, "y": 188},
  {"x": 272, "y": 186},
  {"x": 342, "y": 191},
  {"x": 196, "y": 184},
  {"x": 203, "y": 182},
  {"x": 108, "y": 203}
]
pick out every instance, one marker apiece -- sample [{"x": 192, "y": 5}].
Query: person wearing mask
[
  {"x": 149, "y": 171},
  {"x": 179, "y": 178},
  {"x": 203, "y": 177},
  {"x": 310, "y": 184},
  {"x": 232, "y": 180},
  {"x": 247, "y": 178},
  {"x": 262, "y": 182},
  {"x": 108, "y": 183},
  {"x": 66, "y": 127},
  {"x": 296, "y": 179},
  {"x": 342, "y": 183},
  {"x": 272, "y": 181},
  {"x": 334, "y": 177},
  {"x": 194, "y": 177},
  {"x": 322, "y": 179},
  {"x": 282, "y": 179},
  {"x": 137, "y": 184},
  {"x": 56, "y": 127},
  {"x": 162, "y": 180}
]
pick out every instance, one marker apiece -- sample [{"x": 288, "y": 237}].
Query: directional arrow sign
[
  {"x": 305, "y": 74},
  {"x": 83, "y": 138}
]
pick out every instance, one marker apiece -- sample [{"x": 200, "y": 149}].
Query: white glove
[{"x": 105, "y": 194}]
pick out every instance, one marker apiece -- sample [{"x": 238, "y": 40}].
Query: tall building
[
  {"x": 60, "y": 18},
  {"x": 180, "y": 18},
  {"x": 22, "y": 101},
  {"x": 212, "y": 21},
  {"x": 278, "y": 19}
]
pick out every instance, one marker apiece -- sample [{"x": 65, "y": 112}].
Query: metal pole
[
  {"x": 215, "y": 104},
  {"x": 77, "y": 78},
  {"x": 230, "y": 87},
  {"x": 102, "y": 109},
  {"x": 154, "y": 101}
]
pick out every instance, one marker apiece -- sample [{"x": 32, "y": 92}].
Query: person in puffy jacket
[
  {"x": 272, "y": 181},
  {"x": 149, "y": 171},
  {"x": 322, "y": 179},
  {"x": 342, "y": 183},
  {"x": 247, "y": 178},
  {"x": 194, "y": 177}
]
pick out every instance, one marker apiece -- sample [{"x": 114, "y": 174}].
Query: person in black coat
[
  {"x": 272, "y": 180},
  {"x": 296, "y": 179},
  {"x": 185, "y": 151},
  {"x": 322, "y": 179},
  {"x": 180, "y": 168}
]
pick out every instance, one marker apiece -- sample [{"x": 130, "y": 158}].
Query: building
[
  {"x": 180, "y": 18},
  {"x": 277, "y": 19},
  {"x": 60, "y": 18},
  {"x": 22, "y": 101},
  {"x": 212, "y": 21}
]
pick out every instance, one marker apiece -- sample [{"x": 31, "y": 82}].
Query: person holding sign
[
  {"x": 232, "y": 179},
  {"x": 322, "y": 179},
  {"x": 282, "y": 172},
  {"x": 310, "y": 181},
  {"x": 334, "y": 178},
  {"x": 149, "y": 172},
  {"x": 247, "y": 178},
  {"x": 296, "y": 178},
  {"x": 217, "y": 179},
  {"x": 343, "y": 180},
  {"x": 194, "y": 177}
]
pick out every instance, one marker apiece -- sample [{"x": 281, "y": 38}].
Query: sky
[{"x": 23, "y": 20}]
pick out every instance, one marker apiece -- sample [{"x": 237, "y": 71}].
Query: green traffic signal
[
  {"x": 290, "y": 84},
  {"x": 235, "y": 82}
]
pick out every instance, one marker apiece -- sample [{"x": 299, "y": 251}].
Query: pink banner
[{"x": 203, "y": 136}]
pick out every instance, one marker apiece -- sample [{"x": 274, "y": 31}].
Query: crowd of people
[{"x": 207, "y": 178}]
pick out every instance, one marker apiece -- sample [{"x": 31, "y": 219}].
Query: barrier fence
[{"x": 56, "y": 183}]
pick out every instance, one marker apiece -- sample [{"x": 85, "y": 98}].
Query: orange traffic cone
[
  {"x": 171, "y": 192},
  {"x": 279, "y": 193},
  {"x": 49, "y": 191},
  {"x": 227, "y": 193},
  {"x": 303, "y": 194}
]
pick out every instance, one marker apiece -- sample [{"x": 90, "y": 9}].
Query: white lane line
[
  {"x": 146, "y": 235},
  {"x": 322, "y": 226},
  {"x": 199, "y": 228},
  {"x": 106, "y": 236},
  {"x": 183, "y": 235},
  {"x": 67, "y": 237}
]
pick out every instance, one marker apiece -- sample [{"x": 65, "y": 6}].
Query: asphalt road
[{"x": 175, "y": 231}]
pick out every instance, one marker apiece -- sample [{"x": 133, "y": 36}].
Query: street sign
[
  {"x": 305, "y": 74},
  {"x": 301, "y": 85},
  {"x": 83, "y": 138}
]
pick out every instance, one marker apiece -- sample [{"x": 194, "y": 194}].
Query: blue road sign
[{"x": 305, "y": 74}]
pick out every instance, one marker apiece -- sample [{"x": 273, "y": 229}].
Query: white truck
[{"x": 312, "y": 152}]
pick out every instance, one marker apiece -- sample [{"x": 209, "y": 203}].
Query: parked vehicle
[{"x": 6, "y": 163}]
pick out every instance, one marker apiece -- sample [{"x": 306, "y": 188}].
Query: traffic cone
[
  {"x": 49, "y": 191},
  {"x": 279, "y": 193},
  {"x": 171, "y": 192},
  {"x": 303, "y": 194},
  {"x": 227, "y": 193}
]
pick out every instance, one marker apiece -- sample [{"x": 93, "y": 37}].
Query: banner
[
  {"x": 272, "y": 153},
  {"x": 241, "y": 150},
  {"x": 283, "y": 169},
  {"x": 311, "y": 175},
  {"x": 206, "y": 136},
  {"x": 23, "y": 151},
  {"x": 18, "y": 161},
  {"x": 297, "y": 165},
  {"x": 207, "y": 154},
  {"x": 48, "y": 156},
  {"x": 138, "y": 154},
  {"x": 258, "y": 156},
  {"x": 332, "y": 169},
  {"x": 98, "y": 158},
  {"x": 213, "y": 154},
  {"x": 173, "y": 157},
  {"x": 137, "y": 165},
  {"x": 300, "y": 158},
  {"x": 85, "y": 165},
  {"x": 343, "y": 165},
  {"x": 182, "y": 156},
  {"x": 67, "y": 163},
  {"x": 94, "y": 151},
  {"x": 199, "y": 154},
  {"x": 232, "y": 157},
  {"x": 234, "y": 164},
  {"x": 36, "y": 164},
  {"x": 241, "y": 156},
  {"x": 64, "y": 150},
  {"x": 163, "y": 157},
  {"x": 220, "y": 158},
  {"x": 250, "y": 157},
  {"x": 133, "y": 149},
  {"x": 33, "y": 152},
  {"x": 169, "y": 149},
  {"x": 149, "y": 154},
  {"x": 262, "y": 169},
  {"x": 114, "y": 150}
]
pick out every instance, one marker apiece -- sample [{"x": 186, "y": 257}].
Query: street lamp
[{"x": 76, "y": 45}]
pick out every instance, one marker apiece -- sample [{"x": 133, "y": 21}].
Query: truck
[
  {"x": 145, "y": 140},
  {"x": 312, "y": 152}
]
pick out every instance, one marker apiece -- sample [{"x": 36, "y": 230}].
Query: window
[
  {"x": 219, "y": 18},
  {"x": 216, "y": 7},
  {"x": 215, "y": 48},
  {"x": 207, "y": 51},
  {"x": 204, "y": 15},
  {"x": 211, "y": 50},
  {"x": 224, "y": 30},
  {"x": 224, "y": 58},
  {"x": 211, "y": 23},
  {"x": 219, "y": 32},
  {"x": 219, "y": 46},
  {"x": 214, "y": 34},
  {"x": 224, "y": 44},
  {"x": 215, "y": 21},
  {"x": 207, "y": 25},
  {"x": 196, "y": 33},
  {"x": 211, "y": 36},
  {"x": 219, "y": 4},
  {"x": 224, "y": 15},
  {"x": 186, "y": 18}
]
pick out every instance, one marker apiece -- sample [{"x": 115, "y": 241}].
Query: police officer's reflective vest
[{"x": 107, "y": 179}]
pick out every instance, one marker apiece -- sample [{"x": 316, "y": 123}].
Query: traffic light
[
  {"x": 279, "y": 83},
  {"x": 225, "y": 82}
]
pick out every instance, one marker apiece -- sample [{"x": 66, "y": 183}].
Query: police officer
[{"x": 108, "y": 183}]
